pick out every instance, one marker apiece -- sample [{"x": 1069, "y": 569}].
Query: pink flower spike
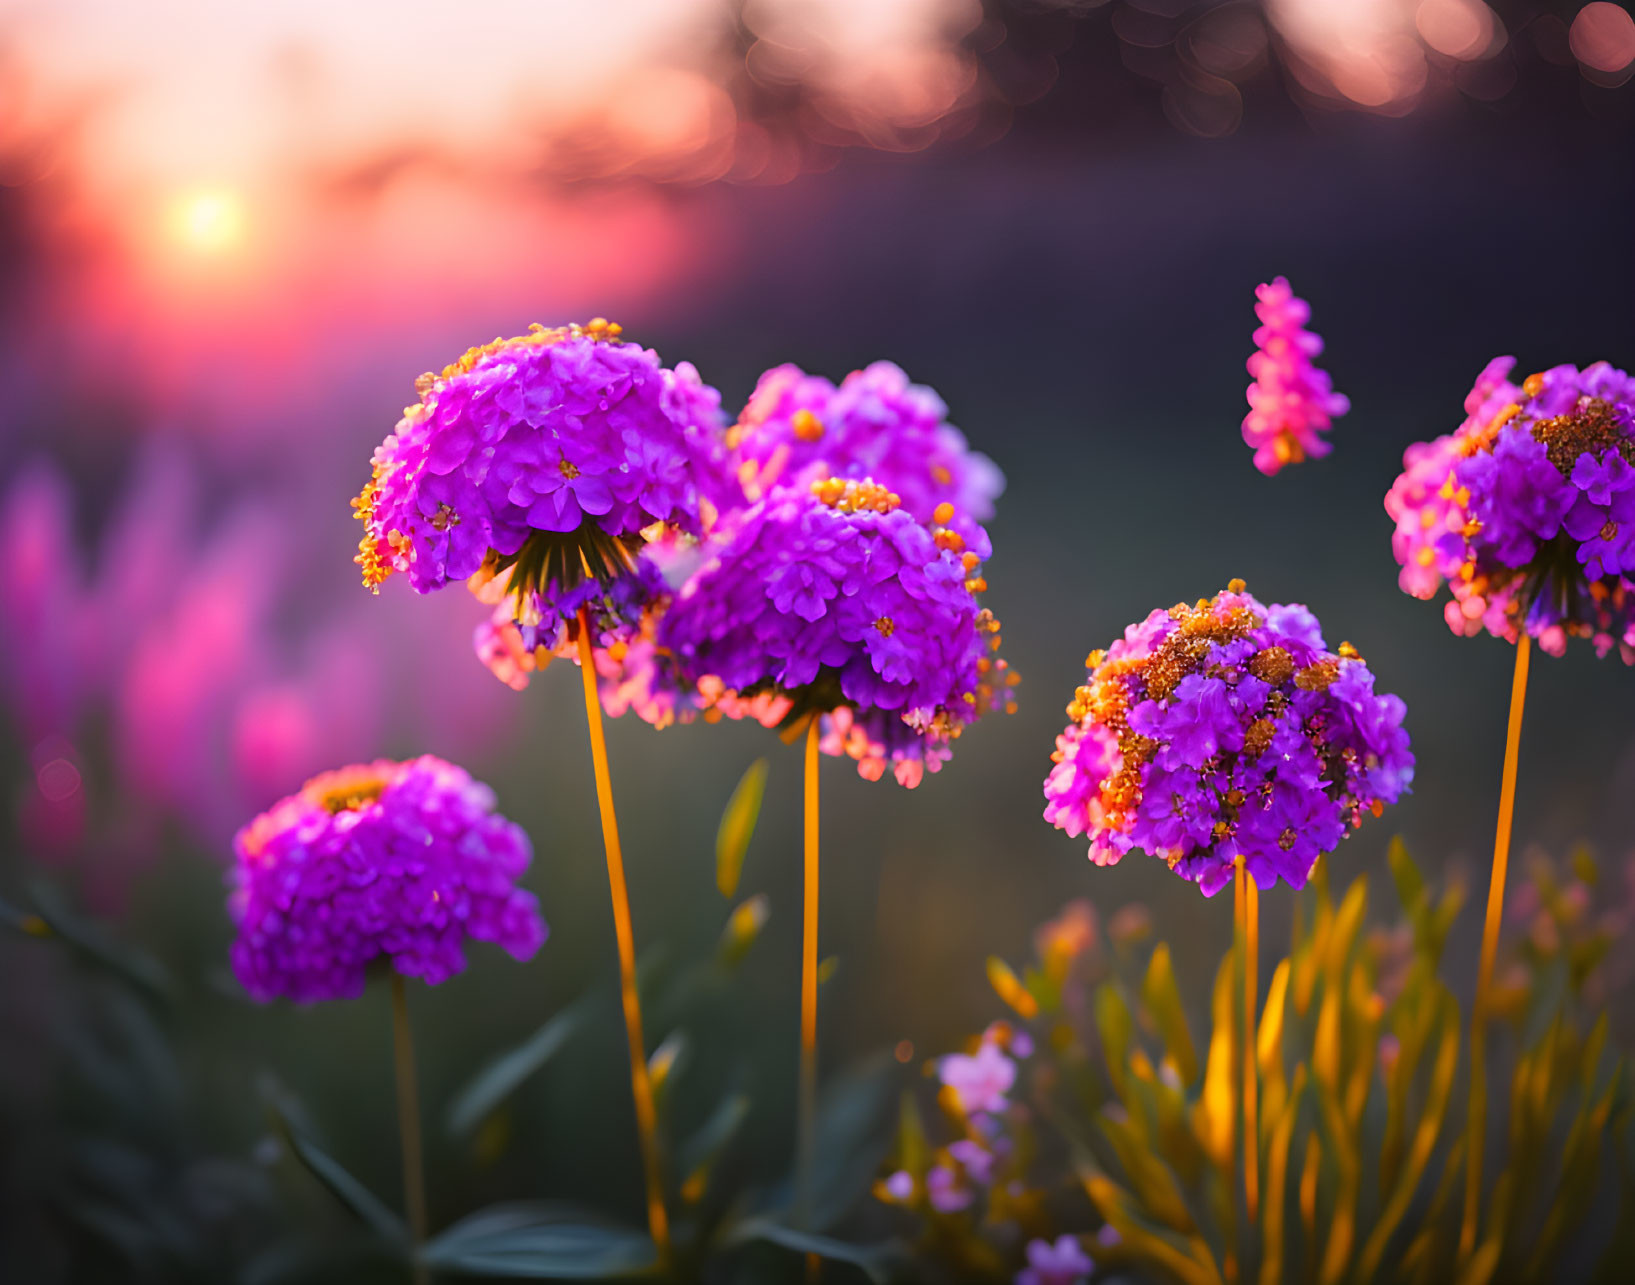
[{"x": 1291, "y": 401}]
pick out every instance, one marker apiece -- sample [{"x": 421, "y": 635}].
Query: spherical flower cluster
[
  {"x": 874, "y": 425},
  {"x": 540, "y": 465},
  {"x": 835, "y": 599},
  {"x": 1532, "y": 517},
  {"x": 1291, "y": 400},
  {"x": 1222, "y": 730},
  {"x": 393, "y": 861}
]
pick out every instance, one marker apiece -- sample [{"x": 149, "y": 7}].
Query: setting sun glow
[{"x": 210, "y": 222}]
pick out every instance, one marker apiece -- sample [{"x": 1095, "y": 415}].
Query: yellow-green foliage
[
  {"x": 1361, "y": 1122},
  {"x": 1126, "y": 1114}
]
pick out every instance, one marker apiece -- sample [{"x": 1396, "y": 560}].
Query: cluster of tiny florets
[
  {"x": 832, "y": 600},
  {"x": 1221, "y": 730},
  {"x": 391, "y": 862},
  {"x": 875, "y": 424},
  {"x": 1291, "y": 402},
  {"x": 534, "y": 465},
  {"x": 1527, "y": 511}
]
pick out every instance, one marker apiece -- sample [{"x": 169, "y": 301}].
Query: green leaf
[
  {"x": 1117, "y": 1031},
  {"x": 93, "y": 943},
  {"x": 541, "y": 1240},
  {"x": 877, "y": 1262},
  {"x": 703, "y": 1148},
  {"x": 358, "y": 1199},
  {"x": 665, "y": 1061},
  {"x": 497, "y": 1081},
  {"x": 23, "y": 921},
  {"x": 737, "y": 826},
  {"x": 1410, "y": 883},
  {"x": 1427, "y": 1131},
  {"x": 852, "y": 1141},
  {"x": 913, "y": 1148},
  {"x": 743, "y": 929},
  {"x": 1162, "y": 998}
]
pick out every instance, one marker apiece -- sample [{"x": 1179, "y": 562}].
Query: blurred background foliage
[{"x": 228, "y": 246}]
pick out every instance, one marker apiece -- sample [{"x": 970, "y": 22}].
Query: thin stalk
[
  {"x": 408, "y": 1128},
  {"x": 1477, "y": 1125},
  {"x": 1235, "y": 1237},
  {"x": 641, "y": 1085},
  {"x": 1251, "y": 1086},
  {"x": 806, "y": 1137}
]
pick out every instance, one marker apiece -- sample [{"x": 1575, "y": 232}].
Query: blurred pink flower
[
  {"x": 40, "y": 591},
  {"x": 221, "y": 690},
  {"x": 981, "y": 1081},
  {"x": 1291, "y": 400}
]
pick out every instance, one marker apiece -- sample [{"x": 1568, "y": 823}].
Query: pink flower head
[
  {"x": 394, "y": 861},
  {"x": 41, "y": 598},
  {"x": 1527, "y": 511},
  {"x": 1291, "y": 400}
]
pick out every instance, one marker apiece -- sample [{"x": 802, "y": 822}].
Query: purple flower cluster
[
  {"x": 1527, "y": 511},
  {"x": 1222, "y": 730},
  {"x": 1062, "y": 1263},
  {"x": 835, "y": 597},
  {"x": 401, "y": 861},
  {"x": 534, "y": 465},
  {"x": 1291, "y": 401},
  {"x": 874, "y": 425},
  {"x": 979, "y": 1081}
]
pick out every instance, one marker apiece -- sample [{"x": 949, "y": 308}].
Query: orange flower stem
[
  {"x": 1251, "y": 1088},
  {"x": 1239, "y": 1062},
  {"x": 408, "y": 1128},
  {"x": 806, "y": 1138},
  {"x": 641, "y": 1085},
  {"x": 1477, "y": 1125}
]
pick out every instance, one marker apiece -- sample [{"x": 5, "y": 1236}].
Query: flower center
[
  {"x": 855, "y": 497},
  {"x": 568, "y": 469},
  {"x": 1590, "y": 428},
  {"x": 346, "y": 790},
  {"x": 885, "y": 624}
]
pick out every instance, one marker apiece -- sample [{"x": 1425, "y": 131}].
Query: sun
[{"x": 210, "y": 222}]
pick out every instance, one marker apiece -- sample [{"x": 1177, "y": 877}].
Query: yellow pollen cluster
[
  {"x": 598, "y": 328},
  {"x": 568, "y": 469},
  {"x": 807, "y": 426},
  {"x": 376, "y": 568},
  {"x": 886, "y": 625},
  {"x": 1316, "y": 678},
  {"x": 1591, "y": 428},
  {"x": 855, "y": 497},
  {"x": 346, "y": 790},
  {"x": 1105, "y": 699},
  {"x": 995, "y": 676},
  {"x": 1482, "y": 439}
]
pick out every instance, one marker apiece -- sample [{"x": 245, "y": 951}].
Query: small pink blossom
[
  {"x": 980, "y": 1081},
  {"x": 1291, "y": 401}
]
